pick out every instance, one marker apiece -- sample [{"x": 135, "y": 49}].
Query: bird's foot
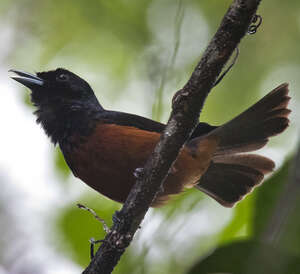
[{"x": 93, "y": 242}]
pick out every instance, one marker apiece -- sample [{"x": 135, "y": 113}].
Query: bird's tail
[{"x": 232, "y": 175}]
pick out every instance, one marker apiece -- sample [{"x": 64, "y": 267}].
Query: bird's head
[
  {"x": 57, "y": 88},
  {"x": 61, "y": 97}
]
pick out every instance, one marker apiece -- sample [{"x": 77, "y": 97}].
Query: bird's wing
[
  {"x": 127, "y": 119},
  {"x": 131, "y": 120}
]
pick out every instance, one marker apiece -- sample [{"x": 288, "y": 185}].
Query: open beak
[{"x": 27, "y": 79}]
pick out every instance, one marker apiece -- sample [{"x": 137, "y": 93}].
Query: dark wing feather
[
  {"x": 127, "y": 119},
  {"x": 131, "y": 120}
]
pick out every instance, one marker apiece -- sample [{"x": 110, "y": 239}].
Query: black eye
[{"x": 62, "y": 77}]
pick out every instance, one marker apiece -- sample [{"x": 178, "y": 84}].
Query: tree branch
[{"x": 186, "y": 107}]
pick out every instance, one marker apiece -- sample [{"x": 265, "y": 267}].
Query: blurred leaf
[
  {"x": 289, "y": 237},
  {"x": 248, "y": 257},
  {"x": 266, "y": 197},
  {"x": 284, "y": 226},
  {"x": 279, "y": 194}
]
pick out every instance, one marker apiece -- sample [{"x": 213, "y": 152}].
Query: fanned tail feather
[
  {"x": 230, "y": 175},
  {"x": 229, "y": 179},
  {"x": 251, "y": 129}
]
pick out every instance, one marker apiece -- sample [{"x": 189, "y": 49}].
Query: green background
[{"x": 136, "y": 54}]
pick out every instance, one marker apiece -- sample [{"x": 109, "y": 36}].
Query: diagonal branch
[{"x": 186, "y": 107}]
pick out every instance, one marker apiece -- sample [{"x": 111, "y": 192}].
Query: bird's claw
[{"x": 93, "y": 242}]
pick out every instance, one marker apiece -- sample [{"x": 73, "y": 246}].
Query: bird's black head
[{"x": 65, "y": 102}]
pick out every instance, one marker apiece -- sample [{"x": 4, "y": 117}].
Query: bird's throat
[{"x": 62, "y": 125}]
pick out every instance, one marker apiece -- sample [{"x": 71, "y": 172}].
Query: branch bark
[{"x": 186, "y": 107}]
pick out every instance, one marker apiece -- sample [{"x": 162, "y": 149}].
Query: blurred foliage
[
  {"x": 124, "y": 49},
  {"x": 248, "y": 257},
  {"x": 266, "y": 198}
]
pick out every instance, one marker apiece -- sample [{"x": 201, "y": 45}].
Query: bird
[{"x": 106, "y": 149}]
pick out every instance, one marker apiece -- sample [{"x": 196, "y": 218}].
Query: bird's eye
[{"x": 62, "y": 77}]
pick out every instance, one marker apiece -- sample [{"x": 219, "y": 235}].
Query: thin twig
[
  {"x": 166, "y": 71},
  {"x": 105, "y": 226},
  {"x": 256, "y": 22},
  {"x": 237, "y": 52}
]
